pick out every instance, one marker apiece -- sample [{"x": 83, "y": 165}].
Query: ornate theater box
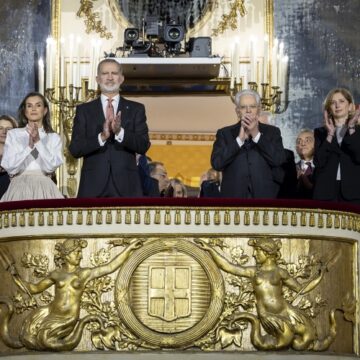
[{"x": 177, "y": 277}]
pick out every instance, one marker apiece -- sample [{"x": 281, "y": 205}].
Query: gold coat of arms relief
[{"x": 210, "y": 294}]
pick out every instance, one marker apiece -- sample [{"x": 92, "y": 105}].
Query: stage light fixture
[
  {"x": 173, "y": 33},
  {"x": 131, "y": 35}
]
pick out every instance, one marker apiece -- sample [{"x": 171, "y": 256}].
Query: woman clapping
[
  {"x": 337, "y": 150},
  {"x": 32, "y": 153}
]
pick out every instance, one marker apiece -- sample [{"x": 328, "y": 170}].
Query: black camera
[
  {"x": 131, "y": 35},
  {"x": 157, "y": 39}
]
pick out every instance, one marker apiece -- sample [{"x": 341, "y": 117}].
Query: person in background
[
  {"x": 210, "y": 184},
  {"x": 159, "y": 174},
  {"x": 176, "y": 189},
  {"x": 32, "y": 152},
  {"x": 337, "y": 150},
  {"x": 150, "y": 186},
  {"x": 108, "y": 132},
  {"x": 249, "y": 154},
  {"x": 7, "y": 123},
  {"x": 305, "y": 167}
]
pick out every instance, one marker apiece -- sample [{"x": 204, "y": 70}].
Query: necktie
[
  {"x": 248, "y": 144},
  {"x": 110, "y": 110},
  {"x": 309, "y": 169}
]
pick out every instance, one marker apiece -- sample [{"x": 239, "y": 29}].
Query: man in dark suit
[
  {"x": 305, "y": 143},
  {"x": 288, "y": 186},
  {"x": 249, "y": 154},
  {"x": 107, "y": 133}
]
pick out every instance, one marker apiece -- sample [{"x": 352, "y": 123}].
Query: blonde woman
[{"x": 337, "y": 150}]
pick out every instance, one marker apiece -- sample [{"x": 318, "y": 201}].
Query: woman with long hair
[
  {"x": 337, "y": 150},
  {"x": 32, "y": 152}
]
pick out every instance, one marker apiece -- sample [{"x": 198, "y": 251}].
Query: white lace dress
[{"x": 30, "y": 169}]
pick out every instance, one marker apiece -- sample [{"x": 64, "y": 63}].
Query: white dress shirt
[
  {"x": 46, "y": 155},
  {"x": 304, "y": 165},
  {"x": 255, "y": 139}
]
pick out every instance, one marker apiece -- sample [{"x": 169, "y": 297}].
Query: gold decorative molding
[
  {"x": 205, "y": 292},
  {"x": 181, "y": 137},
  {"x": 229, "y": 21},
  {"x": 91, "y": 19},
  {"x": 257, "y": 217}
]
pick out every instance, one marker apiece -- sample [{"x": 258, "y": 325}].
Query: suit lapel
[
  {"x": 124, "y": 108},
  {"x": 98, "y": 111},
  {"x": 235, "y": 129}
]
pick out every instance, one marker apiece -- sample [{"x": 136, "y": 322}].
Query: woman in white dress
[{"x": 32, "y": 153}]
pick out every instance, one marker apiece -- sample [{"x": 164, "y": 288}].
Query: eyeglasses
[
  {"x": 247, "y": 107},
  {"x": 307, "y": 140}
]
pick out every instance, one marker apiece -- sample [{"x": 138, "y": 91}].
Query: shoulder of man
[
  {"x": 90, "y": 104},
  {"x": 230, "y": 127},
  {"x": 130, "y": 103},
  {"x": 266, "y": 128}
]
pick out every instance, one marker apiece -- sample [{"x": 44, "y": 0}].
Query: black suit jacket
[
  {"x": 257, "y": 166},
  {"x": 150, "y": 186},
  {"x": 114, "y": 158},
  {"x": 288, "y": 186},
  {"x": 327, "y": 158},
  {"x": 304, "y": 191},
  {"x": 4, "y": 182}
]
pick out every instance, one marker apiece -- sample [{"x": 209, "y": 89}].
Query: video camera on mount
[{"x": 156, "y": 39}]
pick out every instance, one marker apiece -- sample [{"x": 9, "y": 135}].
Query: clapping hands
[
  {"x": 112, "y": 124},
  {"x": 34, "y": 136},
  {"x": 249, "y": 127},
  {"x": 354, "y": 120}
]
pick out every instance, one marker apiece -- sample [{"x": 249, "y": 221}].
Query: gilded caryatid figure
[
  {"x": 283, "y": 324},
  {"x": 57, "y": 326}
]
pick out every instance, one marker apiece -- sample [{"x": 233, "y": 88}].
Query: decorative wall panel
[
  {"x": 179, "y": 279},
  {"x": 25, "y": 25},
  {"x": 322, "y": 38}
]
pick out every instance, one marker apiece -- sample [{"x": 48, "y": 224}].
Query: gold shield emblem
[{"x": 169, "y": 292}]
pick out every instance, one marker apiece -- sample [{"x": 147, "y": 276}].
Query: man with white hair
[{"x": 249, "y": 153}]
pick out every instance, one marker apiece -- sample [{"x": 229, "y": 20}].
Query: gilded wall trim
[
  {"x": 182, "y": 137},
  {"x": 284, "y": 217}
]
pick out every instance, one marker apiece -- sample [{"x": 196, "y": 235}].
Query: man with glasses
[
  {"x": 305, "y": 143},
  {"x": 249, "y": 153}
]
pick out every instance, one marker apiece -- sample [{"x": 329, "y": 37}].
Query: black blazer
[
  {"x": 288, "y": 186},
  {"x": 117, "y": 159},
  {"x": 256, "y": 165},
  {"x": 4, "y": 182},
  {"x": 303, "y": 191},
  {"x": 327, "y": 158}
]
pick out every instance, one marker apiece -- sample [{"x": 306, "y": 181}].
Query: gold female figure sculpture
[
  {"x": 57, "y": 326},
  {"x": 286, "y": 326}
]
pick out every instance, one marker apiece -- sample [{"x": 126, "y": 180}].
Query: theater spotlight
[
  {"x": 173, "y": 33},
  {"x": 131, "y": 35},
  {"x": 172, "y": 37}
]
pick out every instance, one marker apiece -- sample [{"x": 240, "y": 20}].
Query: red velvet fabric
[{"x": 177, "y": 202}]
